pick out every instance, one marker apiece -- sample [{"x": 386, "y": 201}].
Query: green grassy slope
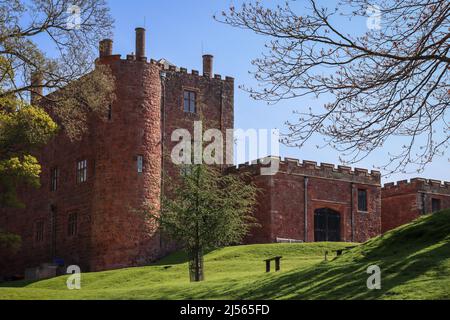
[{"x": 414, "y": 259}]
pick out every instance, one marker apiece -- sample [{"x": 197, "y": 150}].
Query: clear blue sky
[{"x": 181, "y": 30}]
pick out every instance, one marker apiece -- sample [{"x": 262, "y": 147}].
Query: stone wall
[
  {"x": 111, "y": 230},
  {"x": 404, "y": 201},
  {"x": 214, "y": 102},
  {"x": 120, "y": 235},
  {"x": 300, "y": 187}
]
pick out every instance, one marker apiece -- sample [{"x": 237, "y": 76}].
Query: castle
[{"x": 83, "y": 214}]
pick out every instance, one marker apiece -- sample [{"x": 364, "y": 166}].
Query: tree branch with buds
[{"x": 390, "y": 82}]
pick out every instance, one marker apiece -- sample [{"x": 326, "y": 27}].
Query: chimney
[
  {"x": 208, "y": 65},
  {"x": 106, "y": 48},
  {"x": 36, "y": 87},
  {"x": 140, "y": 44}
]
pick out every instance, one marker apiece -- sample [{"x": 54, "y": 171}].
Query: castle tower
[
  {"x": 89, "y": 210},
  {"x": 128, "y": 158}
]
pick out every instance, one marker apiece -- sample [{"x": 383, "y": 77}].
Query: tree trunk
[{"x": 196, "y": 265}]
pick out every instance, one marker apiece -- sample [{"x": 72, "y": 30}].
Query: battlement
[
  {"x": 313, "y": 169},
  {"x": 106, "y": 56},
  {"x": 164, "y": 67},
  {"x": 418, "y": 183},
  {"x": 182, "y": 70}
]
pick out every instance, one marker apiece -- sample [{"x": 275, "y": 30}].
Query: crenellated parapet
[
  {"x": 167, "y": 68},
  {"x": 312, "y": 169},
  {"x": 417, "y": 185},
  {"x": 181, "y": 71},
  {"x": 106, "y": 56}
]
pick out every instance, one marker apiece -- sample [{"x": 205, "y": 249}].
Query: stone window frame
[
  {"x": 54, "y": 179},
  {"x": 82, "y": 171},
  {"x": 434, "y": 207},
  {"x": 366, "y": 208},
  {"x": 39, "y": 230},
  {"x": 72, "y": 224},
  {"x": 140, "y": 163},
  {"x": 197, "y": 99},
  {"x": 109, "y": 113}
]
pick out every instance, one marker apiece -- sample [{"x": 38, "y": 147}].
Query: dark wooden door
[{"x": 327, "y": 225}]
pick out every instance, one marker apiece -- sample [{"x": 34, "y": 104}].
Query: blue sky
[{"x": 181, "y": 30}]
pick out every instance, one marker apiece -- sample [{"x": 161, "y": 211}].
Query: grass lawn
[{"x": 414, "y": 261}]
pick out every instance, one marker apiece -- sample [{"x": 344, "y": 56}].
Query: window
[
  {"x": 140, "y": 164},
  {"x": 54, "y": 179},
  {"x": 189, "y": 101},
  {"x": 39, "y": 231},
  {"x": 423, "y": 206},
  {"x": 82, "y": 171},
  {"x": 72, "y": 225},
  {"x": 52, "y": 229},
  {"x": 435, "y": 205},
  {"x": 362, "y": 200},
  {"x": 109, "y": 112}
]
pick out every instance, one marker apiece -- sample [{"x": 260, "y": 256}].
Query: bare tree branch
[
  {"x": 388, "y": 83},
  {"x": 74, "y": 28}
]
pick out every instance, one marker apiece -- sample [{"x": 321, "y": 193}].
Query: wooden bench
[
  {"x": 277, "y": 263},
  {"x": 340, "y": 251}
]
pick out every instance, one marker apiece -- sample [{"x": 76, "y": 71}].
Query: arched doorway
[{"x": 327, "y": 225}]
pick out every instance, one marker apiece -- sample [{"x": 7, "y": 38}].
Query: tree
[
  {"x": 207, "y": 209},
  {"x": 390, "y": 81},
  {"x": 66, "y": 85},
  {"x": 74, "y": 28},
  {"x": 23, "y": 128}
]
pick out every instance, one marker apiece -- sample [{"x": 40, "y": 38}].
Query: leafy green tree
[
  {"x": 23, "y": 128},
  {"x": 65, "y": 83},
  {"x": 207, "y": 209},
  {"x": 9, "y": 242}
]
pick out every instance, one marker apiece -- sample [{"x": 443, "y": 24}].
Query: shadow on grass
[
  {"x": 178, "y": 257},
  {"x": 327, "y": 280},
  {"x": 348, "y": 281},
  {"x": 402, "y": 255},
  {"x": 17, "y": 283},
  {"x": 410, "y": 238}
]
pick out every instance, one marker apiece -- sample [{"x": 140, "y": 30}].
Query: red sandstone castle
[{"x": 84, "y": 213}]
